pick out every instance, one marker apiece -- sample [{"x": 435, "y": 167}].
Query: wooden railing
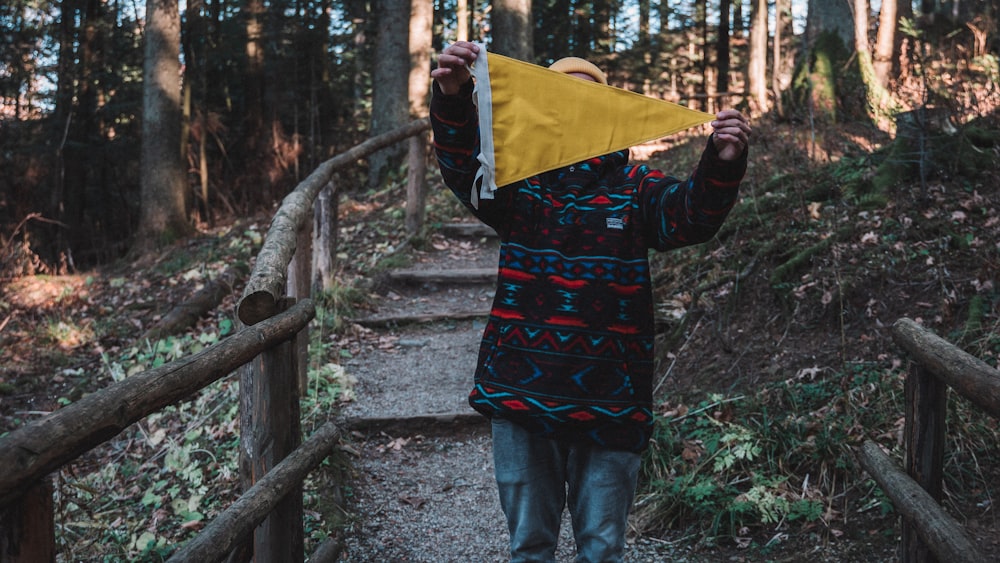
[
  {"x": 266, "y": 522},
  {"x": 929, "y": 533}
]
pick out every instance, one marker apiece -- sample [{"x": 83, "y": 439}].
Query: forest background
[
  {"x": 128, "y": 132},
  {"x": 123, "y": 127}
]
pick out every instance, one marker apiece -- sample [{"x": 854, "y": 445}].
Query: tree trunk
[
  {"x": 645, "y": 45},
  {"x": 164, "y": 185},
  {"x": 512, "y": 33},
  {"x": 664, "y": 54},
  {"x": 782, "y": 57},
  {"x": 66, "y": 75},
  {"x": 885, "y": 43},
  {"x": 738, "y": 24},
  {"x": 604, "y": 40},
  {"x": 834, "y": 16},
  {"x": 421, "y": 22},
  {"x": 462, "y": 17},
  {"x": 390, "y": 80},
  {"x": 861, "y": 12},
  {"x": 757, "y": 71},
  {"x": 880, "y": 102},
  {"x": 722, "y": 48},
  {"x": 78, "y": 171},
  {"x": 196, "y": 79},
  {"x": 701, "y": 17}
]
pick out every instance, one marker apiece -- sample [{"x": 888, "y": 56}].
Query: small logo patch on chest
[{"x": 615, "y": 223}]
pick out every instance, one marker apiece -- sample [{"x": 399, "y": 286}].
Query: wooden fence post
[
  {"x": 270, "y": 429},
  {"x": 27, "y": 527},
  {"x": 416, "y": 184},
  {"x": 924, "y": 437},
  {"x": 300, "y": 287},
  {"x": 324, "y": 243}
]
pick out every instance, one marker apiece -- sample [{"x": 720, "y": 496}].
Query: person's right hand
[{"x": 452, "y": 69}]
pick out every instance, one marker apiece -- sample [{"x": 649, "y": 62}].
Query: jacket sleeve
[
  {"x": 679, "y": 213},
  {"x": 455, "y": 125}
]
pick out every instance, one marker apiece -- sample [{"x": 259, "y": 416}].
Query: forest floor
[{"x": 803, "y": 283}]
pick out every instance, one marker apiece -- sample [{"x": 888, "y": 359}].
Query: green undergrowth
[
  {"x": 167, "y": 476},
  {"x": 811, "y": 268},
  {"x": 783, "y": 458}
]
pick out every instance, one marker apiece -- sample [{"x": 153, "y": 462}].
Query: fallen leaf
[{"x": 415, "y": 502}]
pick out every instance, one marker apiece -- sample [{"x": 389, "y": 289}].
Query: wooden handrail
[
  {"x": 915, "y": 490},
  {"x": 268, "y": 278},
  {"x": 971, "y": 377},
  {"x": 945, "y": 537},
  {"x": 44, "y": 445}
]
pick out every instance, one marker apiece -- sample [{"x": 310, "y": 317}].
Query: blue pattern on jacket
[{"x": 568, "y": 348}]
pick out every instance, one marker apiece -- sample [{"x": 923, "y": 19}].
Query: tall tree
[
  {"x": 84, "y": 121},
  {"x": 421, "y": 20},
  {"x": 757, "y": 69},
  {"x": 254, "y": 135},
  {"x": 880, "y": 102},
  {"x": 644, "y": 45},
  {"x": 390, "y": 83},
  {"x": 885, "y": 42},
  {"x": 781, "y": 58},
  {"x": 462, "y": 25},
  {"x": 164, "y": 209},
  {"x": 512, "y": 29},
  {"x": 834, "y": 16},
  {"x": 722, "y": 48},
  {"x": 553, "y": 30},
  {"x": 701, "y": 20},
  {"x": 603, "y": 12},
  {"x": 664, "y": 52},
  {"x": 194, "y": 42},
  {"x": 738, "y": 24}
]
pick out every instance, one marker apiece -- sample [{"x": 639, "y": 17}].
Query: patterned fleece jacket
[{"x": 568, "y": 348}]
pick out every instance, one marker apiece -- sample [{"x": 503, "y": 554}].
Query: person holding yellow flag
[{"x": 565, "y": 364}]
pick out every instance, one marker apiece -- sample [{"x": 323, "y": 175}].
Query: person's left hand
[{"x": 732, "y": 134}]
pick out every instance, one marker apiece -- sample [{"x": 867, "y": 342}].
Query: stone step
[
  {"x": 417, "y": 318},
  {"x": 469, "y": 230},
  {"x": 454, "y": 275}
]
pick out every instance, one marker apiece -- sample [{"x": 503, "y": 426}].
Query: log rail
[{"x": 929, "y": 533}]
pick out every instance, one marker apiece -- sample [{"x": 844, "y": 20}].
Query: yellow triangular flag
[{"x": 533, "y": 119}]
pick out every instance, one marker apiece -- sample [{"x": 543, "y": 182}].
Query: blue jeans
[{"x": 537, "y": 477}]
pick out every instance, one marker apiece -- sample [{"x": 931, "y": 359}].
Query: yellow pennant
[{"x": 532, "y": 119}]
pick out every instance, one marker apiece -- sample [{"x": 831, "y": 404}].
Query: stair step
[
  {"x": 455, "y": 275},
  {"x": 415, "y": 422},
  {"x": 471, "y": 230},
  {"x": 417, "y": 318}
]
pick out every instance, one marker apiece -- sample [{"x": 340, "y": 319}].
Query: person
[{"x": 565, "y": 364}]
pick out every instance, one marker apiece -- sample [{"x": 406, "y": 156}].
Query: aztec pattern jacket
[{"x": 568, "y": 348}]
